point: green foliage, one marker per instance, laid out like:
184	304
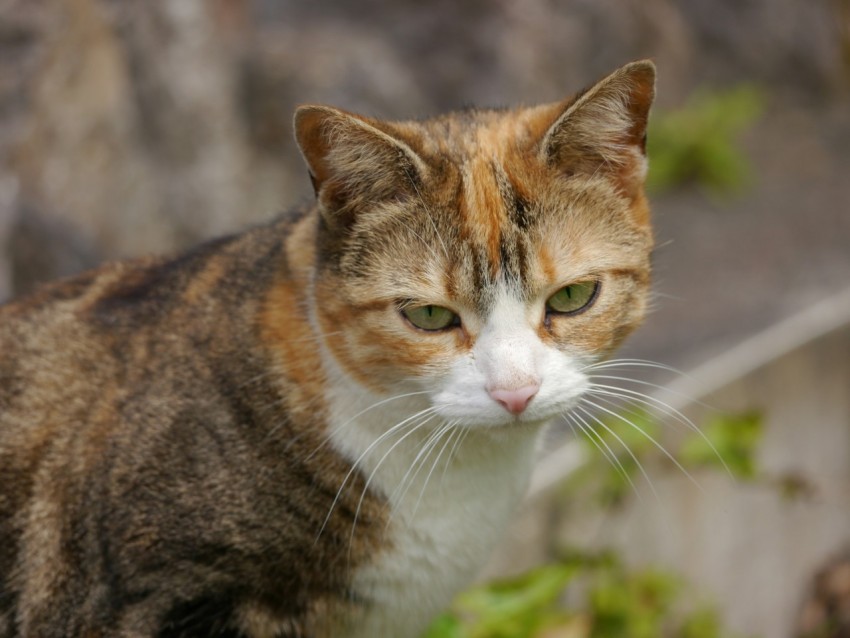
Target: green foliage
734	438
633	605
698	142
507	609
621	444
616	603
702	623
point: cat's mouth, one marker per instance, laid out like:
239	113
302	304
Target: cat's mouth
493	408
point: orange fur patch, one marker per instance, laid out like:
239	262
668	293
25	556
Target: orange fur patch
485	210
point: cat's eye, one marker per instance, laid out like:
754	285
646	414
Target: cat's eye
573	298
431	317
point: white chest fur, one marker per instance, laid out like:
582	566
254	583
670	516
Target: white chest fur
449	507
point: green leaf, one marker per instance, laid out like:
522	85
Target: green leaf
612	602
513	608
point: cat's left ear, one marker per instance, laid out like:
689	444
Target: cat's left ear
354	161
603	129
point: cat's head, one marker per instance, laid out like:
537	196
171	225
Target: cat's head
486	256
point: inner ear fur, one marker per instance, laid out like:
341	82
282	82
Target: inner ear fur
604	128
354	160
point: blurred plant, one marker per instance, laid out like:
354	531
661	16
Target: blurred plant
698	142
615	603
622	443
733	442
507	609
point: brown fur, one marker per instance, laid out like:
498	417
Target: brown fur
164	468
148	438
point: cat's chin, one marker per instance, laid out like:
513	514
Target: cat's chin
507	424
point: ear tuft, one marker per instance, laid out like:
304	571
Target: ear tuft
604	127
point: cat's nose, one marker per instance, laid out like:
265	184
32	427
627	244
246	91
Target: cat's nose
515	400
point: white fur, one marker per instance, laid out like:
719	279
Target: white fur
509	354
448	513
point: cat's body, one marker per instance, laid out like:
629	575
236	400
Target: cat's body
319	427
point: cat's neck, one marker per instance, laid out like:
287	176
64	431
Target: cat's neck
411	456
449	499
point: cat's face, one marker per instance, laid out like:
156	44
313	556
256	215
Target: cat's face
485	257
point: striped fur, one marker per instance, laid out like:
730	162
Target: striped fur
251	440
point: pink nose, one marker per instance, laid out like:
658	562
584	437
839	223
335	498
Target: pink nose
515	401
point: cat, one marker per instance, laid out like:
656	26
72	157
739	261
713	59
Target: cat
319	427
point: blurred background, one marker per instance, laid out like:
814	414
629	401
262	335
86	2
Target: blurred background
131	127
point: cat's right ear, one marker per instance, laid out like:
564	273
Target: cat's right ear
603	129
354	161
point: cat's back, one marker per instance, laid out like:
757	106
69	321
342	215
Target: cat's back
135	408
76	352
76	339
57	362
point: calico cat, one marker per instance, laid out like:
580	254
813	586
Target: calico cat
319	427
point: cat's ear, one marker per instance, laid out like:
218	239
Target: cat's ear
604	128
354	161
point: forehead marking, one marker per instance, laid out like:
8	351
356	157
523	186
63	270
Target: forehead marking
497	217
485	209
516	203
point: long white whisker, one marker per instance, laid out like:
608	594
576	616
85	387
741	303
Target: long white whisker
574	421
418	425
449	428
657	386
414	463
417	464
654	403
354	465
631	363
628	450
609	455
361	413
461	433
648	436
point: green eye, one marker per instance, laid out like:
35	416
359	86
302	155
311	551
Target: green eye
431	317
570	299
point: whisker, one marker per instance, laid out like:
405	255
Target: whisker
407	480
632	363
354	465
628	450
461	435
607	452
359	414
654	403
386	454
657	386
591	435
449	428
648	436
